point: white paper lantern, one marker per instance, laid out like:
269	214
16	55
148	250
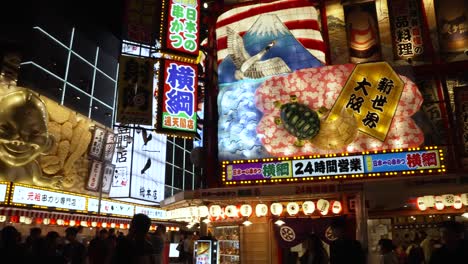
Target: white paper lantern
261	210
104	225
28	220
72	222
457	203
231	211
246	210
121	226
60	222
215	211
323	206
464	198
93	224
112	225
308	207
46	221
276	209
336	207
420	202
203	211
22	219
429	200
2	218
449	199
292	208
84	223
439	203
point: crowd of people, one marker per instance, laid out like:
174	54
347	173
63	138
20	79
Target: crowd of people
108	247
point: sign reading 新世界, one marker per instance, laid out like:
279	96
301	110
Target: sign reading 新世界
407	29
372	93
177	101
317	167
183	23
135	105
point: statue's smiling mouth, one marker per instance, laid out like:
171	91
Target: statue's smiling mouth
16	147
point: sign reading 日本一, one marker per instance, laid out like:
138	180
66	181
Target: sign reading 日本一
317	167
372	92
26	195
177	102
183	22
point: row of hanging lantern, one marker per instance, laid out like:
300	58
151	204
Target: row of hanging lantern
217	212
61	222
439	202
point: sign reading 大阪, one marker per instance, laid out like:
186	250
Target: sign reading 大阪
177	99
182	31
318	167
372	92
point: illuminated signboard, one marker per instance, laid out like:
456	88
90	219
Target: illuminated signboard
150	212
372	92
182	28
135	85
42	198
407	29
111	207
139	164
334	167
3	192
140	17
177	100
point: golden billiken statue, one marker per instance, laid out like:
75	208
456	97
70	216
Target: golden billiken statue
23	137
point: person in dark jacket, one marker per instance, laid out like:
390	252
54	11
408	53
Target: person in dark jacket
344	250
315	252
454	248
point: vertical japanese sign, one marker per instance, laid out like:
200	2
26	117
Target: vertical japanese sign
140	21
407	29
461	107
177	100
97	144
135	91
183	26
372	92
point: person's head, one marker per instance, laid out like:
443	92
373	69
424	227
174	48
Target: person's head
140	225
103	234
161	229
70	233
338	227
52	238
121	234
79	229
35	232
385	246
112	232
451	232
23	128
10	236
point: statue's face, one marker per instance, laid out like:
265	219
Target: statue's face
23	128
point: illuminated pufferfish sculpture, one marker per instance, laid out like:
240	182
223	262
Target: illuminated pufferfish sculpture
306	124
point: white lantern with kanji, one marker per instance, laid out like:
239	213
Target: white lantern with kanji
203	211
308	207
231	211
449	199
464	198
215	211
276	209
46	221
457	202
93	224
429	200
420	202
336	207
323	206
246	210
261	210
28	220
2	218
439	202
292	208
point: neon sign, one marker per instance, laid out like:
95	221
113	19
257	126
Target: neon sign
183	26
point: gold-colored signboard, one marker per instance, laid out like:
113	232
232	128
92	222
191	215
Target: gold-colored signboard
372	93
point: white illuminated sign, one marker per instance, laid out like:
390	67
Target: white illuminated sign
3	188
328	166
26	195
110	207
151	212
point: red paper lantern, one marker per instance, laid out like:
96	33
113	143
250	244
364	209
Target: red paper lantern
38	220
14	219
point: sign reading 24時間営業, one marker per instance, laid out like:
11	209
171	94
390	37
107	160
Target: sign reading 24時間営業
333	166
177	102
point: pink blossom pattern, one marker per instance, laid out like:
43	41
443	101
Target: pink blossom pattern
317	87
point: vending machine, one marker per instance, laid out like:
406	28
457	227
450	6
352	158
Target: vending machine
206	252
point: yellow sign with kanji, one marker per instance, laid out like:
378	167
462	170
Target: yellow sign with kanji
372	93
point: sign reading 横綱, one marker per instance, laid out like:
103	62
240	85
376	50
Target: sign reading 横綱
407	29
38	197
372	92
333	166
182	28
177	100
135	84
